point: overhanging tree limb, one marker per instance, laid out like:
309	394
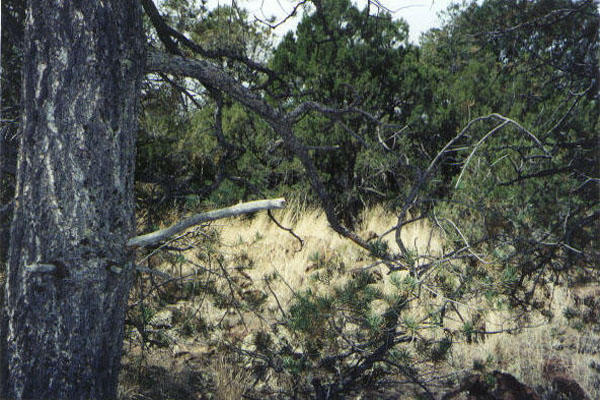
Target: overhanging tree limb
155	237
211	76
170	37
282	124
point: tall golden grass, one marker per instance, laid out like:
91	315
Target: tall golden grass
522	353
254	248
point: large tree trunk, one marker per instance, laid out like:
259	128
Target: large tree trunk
10	72
63	328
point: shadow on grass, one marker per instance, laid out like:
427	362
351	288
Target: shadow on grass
145	382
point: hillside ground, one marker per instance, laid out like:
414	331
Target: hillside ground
179	359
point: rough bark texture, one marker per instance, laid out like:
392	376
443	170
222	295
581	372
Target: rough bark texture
63	327
7	164
11	37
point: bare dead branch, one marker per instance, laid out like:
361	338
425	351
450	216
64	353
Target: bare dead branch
475	147
289	230
284	20
155	237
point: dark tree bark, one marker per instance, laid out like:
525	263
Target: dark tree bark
10	74
62	331
7	168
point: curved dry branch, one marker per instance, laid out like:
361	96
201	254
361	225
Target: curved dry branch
288	230
291	14
155	237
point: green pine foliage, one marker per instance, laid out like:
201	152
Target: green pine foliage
343	57
511	85
524	191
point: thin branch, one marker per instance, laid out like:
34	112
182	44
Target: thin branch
300	111
477	145
283	21
163	246
6	207
259	192
522	128
539	174
155	237
182	90
158	286
354	134
289	230
151	271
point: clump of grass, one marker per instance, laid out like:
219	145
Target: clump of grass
231	379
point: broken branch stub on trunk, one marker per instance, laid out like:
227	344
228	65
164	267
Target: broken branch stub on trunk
155	237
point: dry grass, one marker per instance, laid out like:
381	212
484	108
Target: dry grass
231	379
273	250
255	248
527	353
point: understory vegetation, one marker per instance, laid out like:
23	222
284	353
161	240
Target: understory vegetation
247	312
442	216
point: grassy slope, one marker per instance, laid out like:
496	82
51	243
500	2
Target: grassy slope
260	249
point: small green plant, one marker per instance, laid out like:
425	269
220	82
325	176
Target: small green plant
441	350
145	314
379	248
570	313
190	323
468	331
